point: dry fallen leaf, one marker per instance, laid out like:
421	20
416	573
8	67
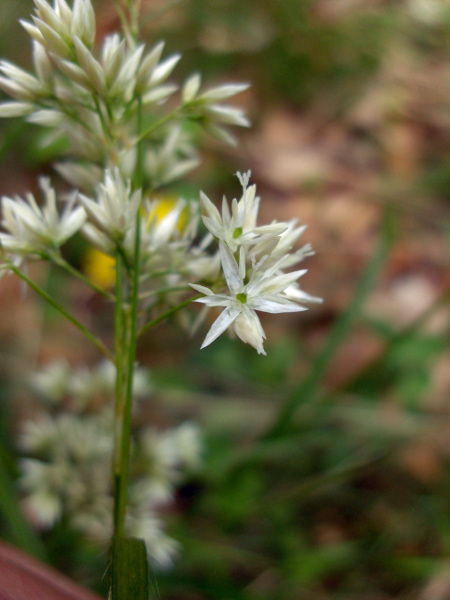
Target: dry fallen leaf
24	578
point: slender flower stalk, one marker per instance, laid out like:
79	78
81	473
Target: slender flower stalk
34	286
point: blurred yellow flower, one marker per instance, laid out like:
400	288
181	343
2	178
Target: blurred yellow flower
162	207
99	267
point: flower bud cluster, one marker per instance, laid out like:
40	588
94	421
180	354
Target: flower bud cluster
105	103
67	471
171	253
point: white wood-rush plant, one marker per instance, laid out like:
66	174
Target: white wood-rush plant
127	132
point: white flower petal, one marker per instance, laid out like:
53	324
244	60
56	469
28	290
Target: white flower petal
224	91
275	307
222	323
230	269
202	289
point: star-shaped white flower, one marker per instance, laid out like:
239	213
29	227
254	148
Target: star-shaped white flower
238	226
264	291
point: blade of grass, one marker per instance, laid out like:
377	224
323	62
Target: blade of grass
129	577
308	388
21	533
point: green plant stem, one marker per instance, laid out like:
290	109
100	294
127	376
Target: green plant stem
37	288
160	11
134	7
105	126
124	21
167	314
125	327
139	173
130	327
312	485
21	533
119	345
157	124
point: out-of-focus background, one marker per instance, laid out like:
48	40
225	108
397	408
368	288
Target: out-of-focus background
327	463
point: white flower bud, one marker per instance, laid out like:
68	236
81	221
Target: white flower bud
83	22
190	88
113	53
223	91
33	32
15	90
52	19
51	39
230	115
147	67
90	66
63	10
47	117
43	65
84	177
158	94
15	109
127	72
74	73
164	69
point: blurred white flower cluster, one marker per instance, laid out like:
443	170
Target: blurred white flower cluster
253	259
32	231
104	103
67	473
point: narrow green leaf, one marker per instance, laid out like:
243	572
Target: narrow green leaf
129	569
21	533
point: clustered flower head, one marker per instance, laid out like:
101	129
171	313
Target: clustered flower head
31	230
67	469
253	261
97	101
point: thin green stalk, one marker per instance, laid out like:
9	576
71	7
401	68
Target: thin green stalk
156	13
37	288
129	325
105	127
119	345
139	173
62	262
124	21
126	341
307	389
157	124
167	314
21	533
134	8
314	484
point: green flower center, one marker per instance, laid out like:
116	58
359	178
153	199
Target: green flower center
237	232
241	297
